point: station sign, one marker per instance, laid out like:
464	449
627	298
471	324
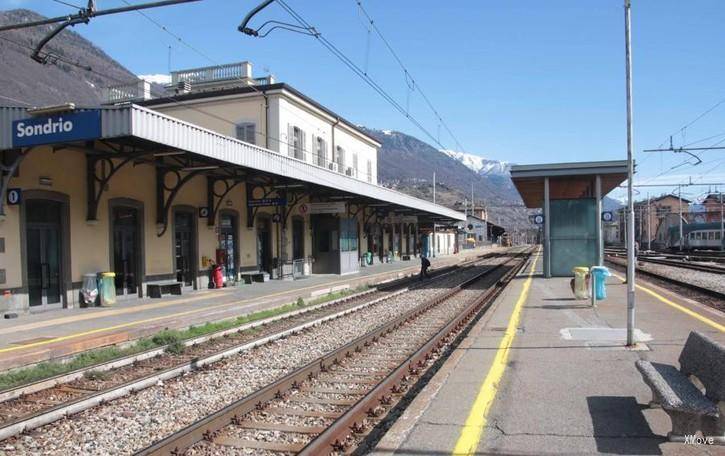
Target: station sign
261	202
538	219
14	196
326	208
64	127
607	216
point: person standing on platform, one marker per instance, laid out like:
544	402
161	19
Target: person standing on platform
424	265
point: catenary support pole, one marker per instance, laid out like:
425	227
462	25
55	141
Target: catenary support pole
547	230
679	197
722	225
649	225
600	240
630	177
433	243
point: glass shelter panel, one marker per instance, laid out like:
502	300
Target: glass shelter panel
573	235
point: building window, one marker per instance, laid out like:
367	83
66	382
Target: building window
340	159
321	151
370	170
296	142
354	165
246	132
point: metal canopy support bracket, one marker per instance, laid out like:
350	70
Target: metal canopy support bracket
98	177
165	194
214	199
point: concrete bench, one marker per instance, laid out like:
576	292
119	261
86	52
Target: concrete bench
679	394
155	290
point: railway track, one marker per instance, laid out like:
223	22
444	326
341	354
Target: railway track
218	356
719	297
331	404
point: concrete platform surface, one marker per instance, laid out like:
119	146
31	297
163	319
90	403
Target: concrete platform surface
49	335
557	381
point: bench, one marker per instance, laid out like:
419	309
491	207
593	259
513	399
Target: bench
689	408
254	276
155	290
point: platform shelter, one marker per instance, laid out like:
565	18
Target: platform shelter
570	195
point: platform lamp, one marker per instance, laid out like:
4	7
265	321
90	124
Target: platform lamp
630	175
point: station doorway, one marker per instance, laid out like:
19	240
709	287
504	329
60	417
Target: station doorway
126	238
184	247
44	233
298	238
228	245
264	244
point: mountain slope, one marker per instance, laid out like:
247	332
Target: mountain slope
23	81
479	164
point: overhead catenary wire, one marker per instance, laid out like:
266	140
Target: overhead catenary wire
408	75
358	71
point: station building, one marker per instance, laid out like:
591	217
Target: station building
221	168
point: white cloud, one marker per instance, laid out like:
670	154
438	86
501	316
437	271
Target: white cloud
157	78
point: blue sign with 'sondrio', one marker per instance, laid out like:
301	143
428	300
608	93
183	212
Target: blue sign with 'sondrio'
68	126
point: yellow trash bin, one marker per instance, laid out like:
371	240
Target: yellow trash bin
580	282
107	288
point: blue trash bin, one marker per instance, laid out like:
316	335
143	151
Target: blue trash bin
600	274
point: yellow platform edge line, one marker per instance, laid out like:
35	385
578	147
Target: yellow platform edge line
472	430
679	307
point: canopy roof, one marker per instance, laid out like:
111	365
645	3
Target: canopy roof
566	180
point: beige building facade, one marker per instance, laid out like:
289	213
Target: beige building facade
163	193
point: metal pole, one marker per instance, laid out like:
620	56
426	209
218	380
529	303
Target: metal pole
722	225
679	196
433	243
600	237
547	230
630	176
649	227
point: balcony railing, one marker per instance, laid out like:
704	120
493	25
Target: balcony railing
241	70
133	91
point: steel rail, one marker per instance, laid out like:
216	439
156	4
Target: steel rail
207	427
684	264
687	285
334	438
54	413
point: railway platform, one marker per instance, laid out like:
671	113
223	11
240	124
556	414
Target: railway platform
542	373
50	335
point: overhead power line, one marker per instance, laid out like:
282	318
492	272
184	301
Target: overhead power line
408	74
308	29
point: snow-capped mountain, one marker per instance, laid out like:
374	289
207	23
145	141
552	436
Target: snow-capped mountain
479	164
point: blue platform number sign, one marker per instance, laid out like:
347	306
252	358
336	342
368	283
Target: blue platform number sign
67	126
14	196
607	216
538	219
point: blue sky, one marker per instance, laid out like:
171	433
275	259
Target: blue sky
525	81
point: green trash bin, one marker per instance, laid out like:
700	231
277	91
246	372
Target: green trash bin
107	288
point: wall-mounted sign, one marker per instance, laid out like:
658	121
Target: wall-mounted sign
538	219
204	212
68	126
14	196
607	216
327	208
260	202
276	218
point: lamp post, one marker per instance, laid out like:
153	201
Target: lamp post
630	175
